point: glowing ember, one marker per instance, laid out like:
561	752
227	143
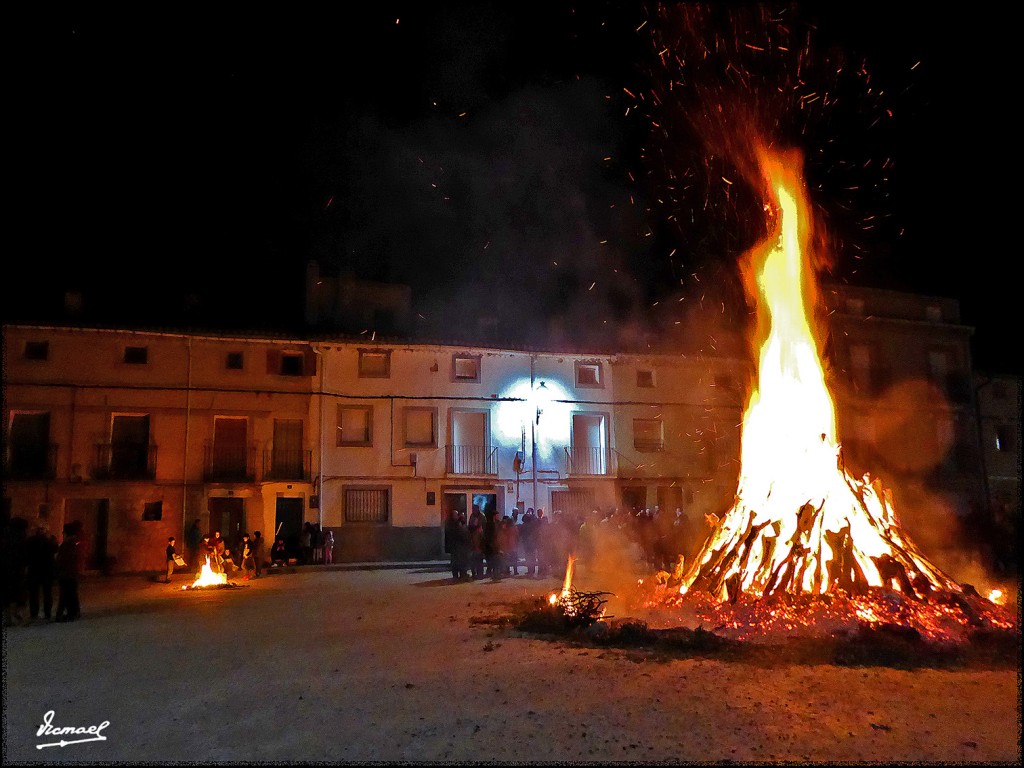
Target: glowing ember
997	596
800	523
207	578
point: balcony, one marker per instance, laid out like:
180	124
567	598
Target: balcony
586	461
234	464
284	465
124	461
471	459
31	462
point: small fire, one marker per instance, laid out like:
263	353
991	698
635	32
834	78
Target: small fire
207	577
997	596
563	596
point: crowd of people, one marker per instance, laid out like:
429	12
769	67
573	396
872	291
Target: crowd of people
249	554
488	545
484	545
33	563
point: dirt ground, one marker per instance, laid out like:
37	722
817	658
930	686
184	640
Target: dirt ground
394	665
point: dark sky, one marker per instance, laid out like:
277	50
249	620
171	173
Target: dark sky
501	158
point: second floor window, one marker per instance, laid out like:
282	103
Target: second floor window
420	427
37	350
589	375
648	434
374	364
136	355
466	367
355	425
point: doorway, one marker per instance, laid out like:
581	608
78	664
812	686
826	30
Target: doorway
288	522
227	515
94	517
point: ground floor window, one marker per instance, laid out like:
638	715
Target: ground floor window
367	505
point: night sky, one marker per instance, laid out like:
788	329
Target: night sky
529	162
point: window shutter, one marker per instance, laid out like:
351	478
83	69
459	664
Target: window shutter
309	361
273	361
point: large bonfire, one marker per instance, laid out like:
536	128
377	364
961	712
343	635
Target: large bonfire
806	539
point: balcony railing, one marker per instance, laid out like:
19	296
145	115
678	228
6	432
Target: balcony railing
586	461
280	464
471	459
229	464
124	461
31	462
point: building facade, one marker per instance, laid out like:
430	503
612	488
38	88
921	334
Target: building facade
139	433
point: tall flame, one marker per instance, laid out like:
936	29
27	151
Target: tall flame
800	522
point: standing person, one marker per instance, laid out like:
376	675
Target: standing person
306	544
170	559
317	540
193	538
492	546
248	565
204	554
508	538
476	548
528	539
15	570
42	565
218	545
329	547
69	571
257	552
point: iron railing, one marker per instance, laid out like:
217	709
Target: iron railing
291	464
124	461
229	464
29	461
586	461
471	459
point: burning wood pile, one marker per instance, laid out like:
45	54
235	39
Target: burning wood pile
211	579
805	539
577	608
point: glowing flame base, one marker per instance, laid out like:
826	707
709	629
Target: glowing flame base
208	578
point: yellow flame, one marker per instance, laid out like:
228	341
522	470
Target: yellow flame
208	578
795	501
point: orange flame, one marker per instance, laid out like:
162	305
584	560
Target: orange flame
207	577
800	522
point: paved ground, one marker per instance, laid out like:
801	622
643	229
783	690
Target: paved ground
388	665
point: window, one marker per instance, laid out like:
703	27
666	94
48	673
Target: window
589	375
129	455
29	454
37	350
645	378
136	355
374	364
420	427
291	363
367	505
355	425
153	510
466	367
1006	438
648	434
235	361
